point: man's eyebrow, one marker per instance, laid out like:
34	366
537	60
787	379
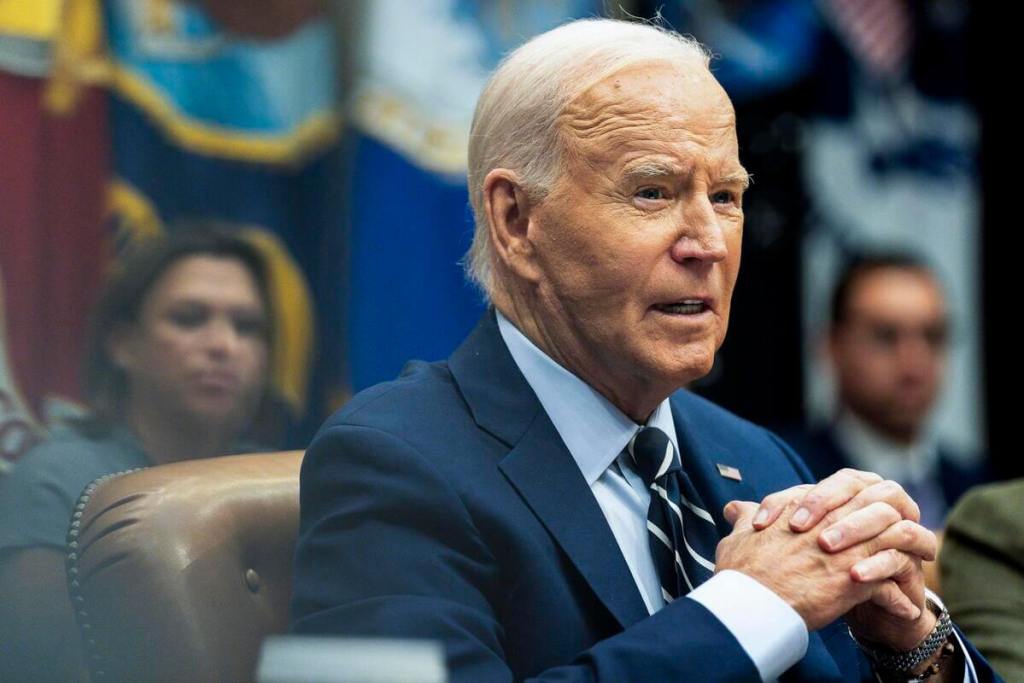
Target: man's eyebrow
738	177
650	169
658	169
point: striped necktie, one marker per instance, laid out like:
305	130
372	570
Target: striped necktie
681	533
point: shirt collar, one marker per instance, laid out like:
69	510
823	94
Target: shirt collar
594	430
870	451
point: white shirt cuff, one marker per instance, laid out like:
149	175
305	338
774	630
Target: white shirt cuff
771	632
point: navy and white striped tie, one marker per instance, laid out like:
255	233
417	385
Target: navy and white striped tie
681	532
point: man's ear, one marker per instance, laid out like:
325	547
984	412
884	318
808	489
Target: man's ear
120	346
508	211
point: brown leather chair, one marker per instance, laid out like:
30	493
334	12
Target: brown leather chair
178	572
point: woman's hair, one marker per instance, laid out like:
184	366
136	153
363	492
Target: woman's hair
123	296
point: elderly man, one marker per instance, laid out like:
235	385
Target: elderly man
887	343
547	503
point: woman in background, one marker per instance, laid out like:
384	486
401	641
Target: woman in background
176	368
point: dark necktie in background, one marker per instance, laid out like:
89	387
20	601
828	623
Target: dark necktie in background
681	532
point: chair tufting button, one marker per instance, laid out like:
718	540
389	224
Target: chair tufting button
252	580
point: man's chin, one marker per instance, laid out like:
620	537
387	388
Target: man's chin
680	375
694	365
902	427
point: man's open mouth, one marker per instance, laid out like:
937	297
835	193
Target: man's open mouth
684	307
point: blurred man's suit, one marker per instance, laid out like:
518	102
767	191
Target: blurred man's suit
495	543
822	451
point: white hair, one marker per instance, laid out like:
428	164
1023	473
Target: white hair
515	122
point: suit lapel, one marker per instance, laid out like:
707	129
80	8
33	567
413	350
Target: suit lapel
499	397
541	469
544	473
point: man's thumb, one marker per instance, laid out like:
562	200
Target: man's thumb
739	511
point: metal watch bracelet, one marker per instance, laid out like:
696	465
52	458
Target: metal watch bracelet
895	662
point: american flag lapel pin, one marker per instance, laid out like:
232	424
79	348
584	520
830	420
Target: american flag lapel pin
729	472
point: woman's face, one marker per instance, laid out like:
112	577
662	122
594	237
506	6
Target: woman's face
198	352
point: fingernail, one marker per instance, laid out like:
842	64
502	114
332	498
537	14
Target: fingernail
915	612
863	570
801	516
832	537
761	517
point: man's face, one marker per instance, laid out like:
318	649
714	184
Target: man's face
199	348
890	352
638	243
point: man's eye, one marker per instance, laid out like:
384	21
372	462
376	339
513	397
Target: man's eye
723	197
650	193
885	336
936	337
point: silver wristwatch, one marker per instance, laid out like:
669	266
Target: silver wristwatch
904	663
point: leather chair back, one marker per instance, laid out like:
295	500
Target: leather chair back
178	572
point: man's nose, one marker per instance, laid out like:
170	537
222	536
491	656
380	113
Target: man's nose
701	236
914	351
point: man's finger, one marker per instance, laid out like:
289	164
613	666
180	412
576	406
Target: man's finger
773	505
830	494
739	512
885	564
886	491
889	597
909	537
859	526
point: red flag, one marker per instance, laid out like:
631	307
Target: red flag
53	244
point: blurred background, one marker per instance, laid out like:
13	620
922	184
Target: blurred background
332	134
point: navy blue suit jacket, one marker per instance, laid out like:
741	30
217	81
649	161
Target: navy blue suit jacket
444	505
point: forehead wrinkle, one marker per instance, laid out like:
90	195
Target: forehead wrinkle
602	139
608	132
633	120
610	123
619	146
587	121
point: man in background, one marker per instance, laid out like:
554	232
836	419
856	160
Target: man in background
887	343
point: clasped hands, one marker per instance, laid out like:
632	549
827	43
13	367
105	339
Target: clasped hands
849	546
